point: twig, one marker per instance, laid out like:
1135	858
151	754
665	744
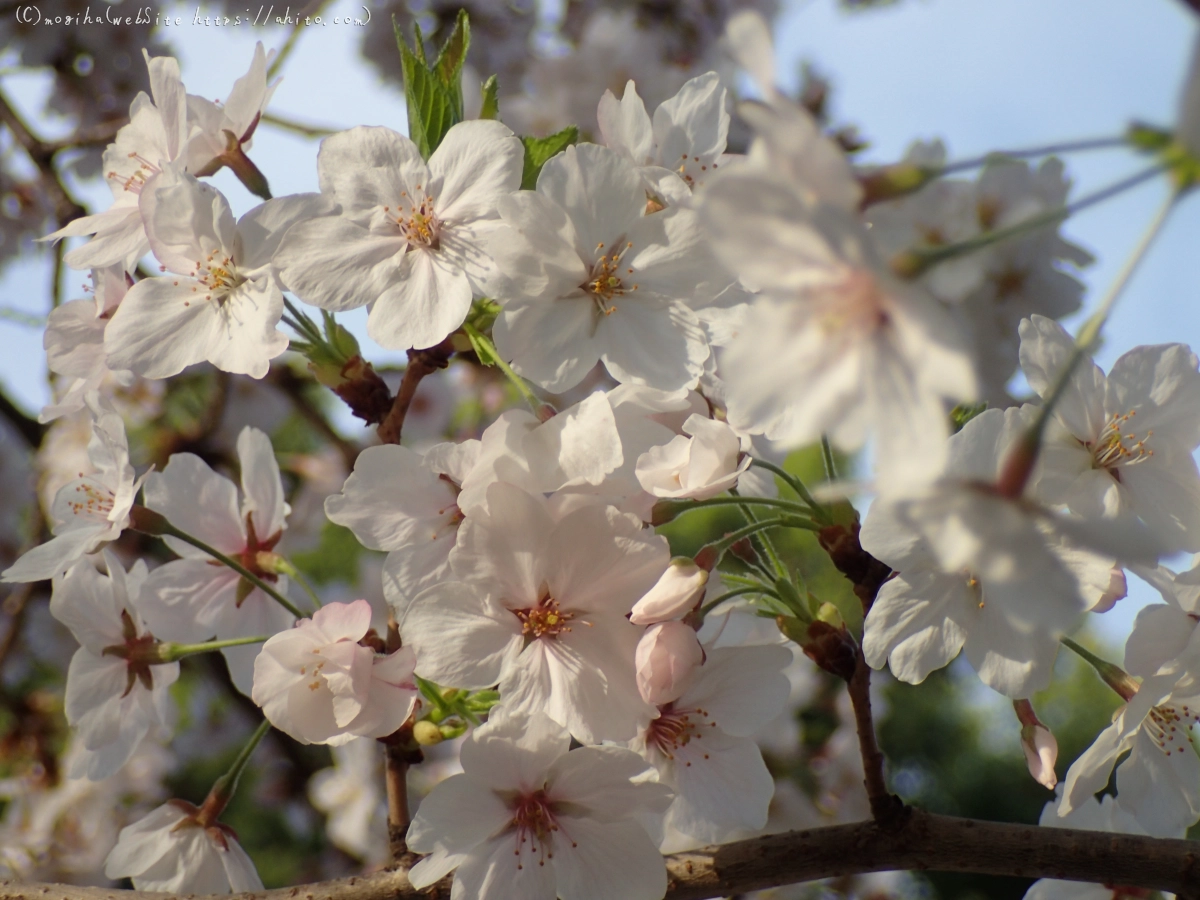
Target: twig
42	155
15	605
420	364
924	842
29	428
301	128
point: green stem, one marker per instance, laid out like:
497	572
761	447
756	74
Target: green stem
481	341
302	323
736	592
719	546
308	588
775	502
762	542
172	652
224	787
819	512
236	566
1105	143
1085	343
915	262
831	473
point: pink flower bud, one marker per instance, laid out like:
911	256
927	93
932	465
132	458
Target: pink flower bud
673	595
668	657
1041	749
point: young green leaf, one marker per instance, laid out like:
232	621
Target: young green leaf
538	152
490	109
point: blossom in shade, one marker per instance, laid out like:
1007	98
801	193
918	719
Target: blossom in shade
195	600
410	237
168	850
90	510
540	608
1165	632
703	747
528	820
116	691
320	684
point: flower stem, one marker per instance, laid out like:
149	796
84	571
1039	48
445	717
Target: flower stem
172	651
224	787
827	458
819	512
666	510
736	592
762	542
1104	143
714	550
486	350
913	263
216	554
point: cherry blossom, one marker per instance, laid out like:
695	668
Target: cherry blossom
707	462
1129	436
223	301
155	136
668	658
350	793
195	600
540	608
876	356
410	236
116	689
1159	782
673	595
408	505
90	510
319	684
593	277
687	135
977	573
528	820
1165	632
168	850
702	745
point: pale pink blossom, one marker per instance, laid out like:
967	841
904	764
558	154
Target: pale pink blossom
317	683
528	820
704	461
673	595
668	659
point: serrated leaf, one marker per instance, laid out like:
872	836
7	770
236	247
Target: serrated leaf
451	58
490	109
539	151
433	93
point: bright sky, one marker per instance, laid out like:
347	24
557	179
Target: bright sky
981	75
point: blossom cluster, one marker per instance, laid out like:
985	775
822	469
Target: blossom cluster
696	314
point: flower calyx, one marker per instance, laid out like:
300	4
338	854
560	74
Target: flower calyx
140	652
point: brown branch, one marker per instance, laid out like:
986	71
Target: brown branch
41	154
924	842
420	364
396	762
284	378
886	808
30	429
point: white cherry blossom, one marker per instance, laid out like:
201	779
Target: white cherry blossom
115	694
350	793
687	135
168	851
528	820
673	595
1129	437
407	504
74	342
706	462
875	355
222	303
1159	782
155	136
195	600
319	684
90	510
1165	632
593	277
668	659
410	237
702	745
540	608
977	573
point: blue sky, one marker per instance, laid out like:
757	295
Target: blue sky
979	74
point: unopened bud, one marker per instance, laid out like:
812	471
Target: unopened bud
665	511
668	658
426	733
831	648
673	595
1038	744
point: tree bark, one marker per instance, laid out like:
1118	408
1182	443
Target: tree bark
923	842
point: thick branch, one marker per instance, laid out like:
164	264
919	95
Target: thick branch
420	364
924	842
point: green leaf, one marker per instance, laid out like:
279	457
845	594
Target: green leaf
964	413
491	102
538	152
433	93
334	559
